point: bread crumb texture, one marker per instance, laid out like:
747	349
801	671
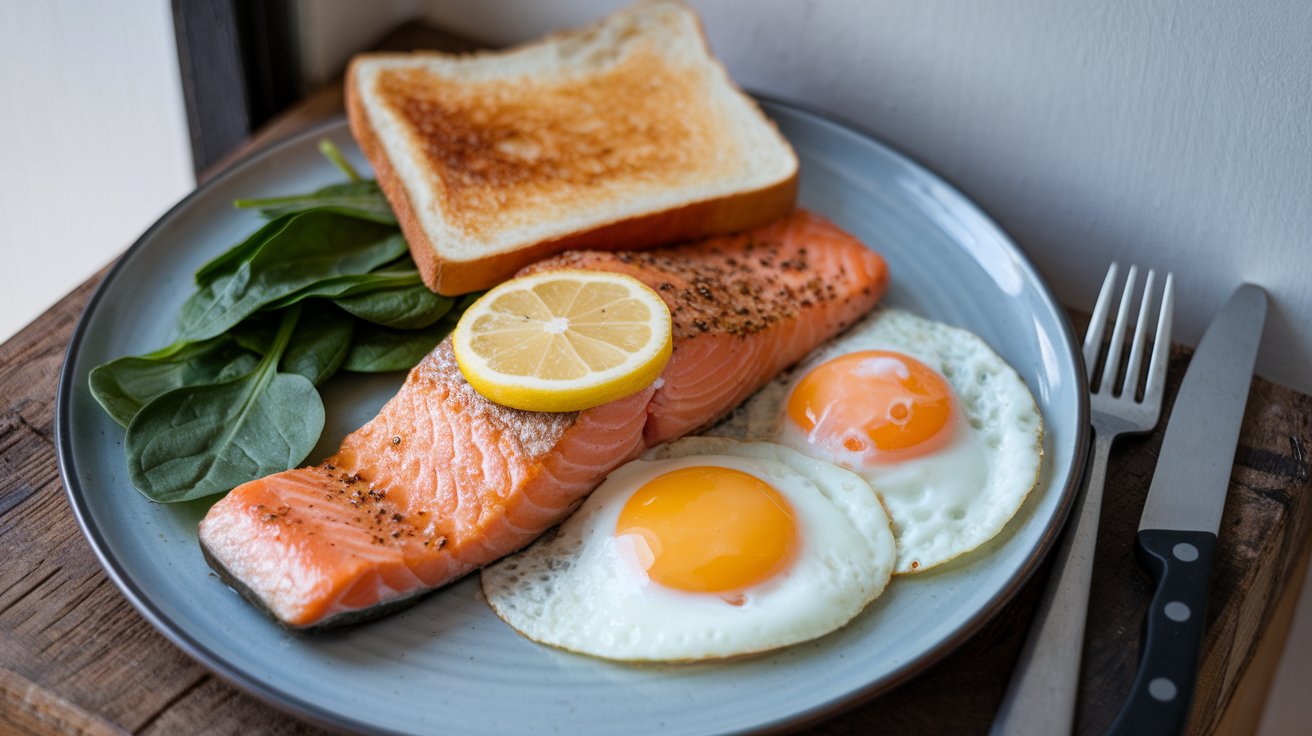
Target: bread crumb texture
509	151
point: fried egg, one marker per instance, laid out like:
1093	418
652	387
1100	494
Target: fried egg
706	548
944	430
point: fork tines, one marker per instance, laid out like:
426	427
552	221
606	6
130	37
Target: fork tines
1103	375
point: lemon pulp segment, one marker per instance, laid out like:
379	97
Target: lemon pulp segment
564	340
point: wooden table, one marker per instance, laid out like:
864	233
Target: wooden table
76	658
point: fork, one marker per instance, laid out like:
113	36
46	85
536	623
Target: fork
1040	698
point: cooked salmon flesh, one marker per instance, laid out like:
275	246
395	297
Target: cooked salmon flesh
444	481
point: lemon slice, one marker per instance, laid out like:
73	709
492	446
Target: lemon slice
564	340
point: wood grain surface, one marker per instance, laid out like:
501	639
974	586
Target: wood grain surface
76	658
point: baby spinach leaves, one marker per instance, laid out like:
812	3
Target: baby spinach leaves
379	350
314	246
318	349
400	307
382	349
358	197
196	441
362	199
125	385
327	284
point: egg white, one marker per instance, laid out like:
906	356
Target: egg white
579	589
950	502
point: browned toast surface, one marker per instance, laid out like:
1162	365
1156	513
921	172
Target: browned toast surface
510	152
623	135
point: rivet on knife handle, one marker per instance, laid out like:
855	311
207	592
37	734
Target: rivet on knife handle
1181	566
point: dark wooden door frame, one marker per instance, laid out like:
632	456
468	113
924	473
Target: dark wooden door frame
240	66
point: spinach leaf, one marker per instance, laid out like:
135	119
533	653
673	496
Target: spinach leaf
256	333
317	347
361	199
314	246
358	197
197	441
380	349
352	284
402	308
320	344
125	385
229	259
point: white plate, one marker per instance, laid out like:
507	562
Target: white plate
448	664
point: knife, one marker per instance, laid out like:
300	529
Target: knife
1182	515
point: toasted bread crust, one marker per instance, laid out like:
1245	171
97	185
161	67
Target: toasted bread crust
717	215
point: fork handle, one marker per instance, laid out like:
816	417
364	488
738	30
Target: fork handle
1180	563
1040	698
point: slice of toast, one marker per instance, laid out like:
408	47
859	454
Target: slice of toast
624	134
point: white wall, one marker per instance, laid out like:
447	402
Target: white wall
1171	133
329	31
95	141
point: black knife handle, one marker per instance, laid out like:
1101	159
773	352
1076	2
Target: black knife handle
1180	563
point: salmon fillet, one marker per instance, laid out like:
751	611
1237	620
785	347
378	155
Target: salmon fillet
444	481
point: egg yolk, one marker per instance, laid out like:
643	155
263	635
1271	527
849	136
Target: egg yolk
874	402
710	529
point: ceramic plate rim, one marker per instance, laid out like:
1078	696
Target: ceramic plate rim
270	694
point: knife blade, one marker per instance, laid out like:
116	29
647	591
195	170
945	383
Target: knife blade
1182	514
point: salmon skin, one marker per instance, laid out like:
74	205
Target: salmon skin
444	481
